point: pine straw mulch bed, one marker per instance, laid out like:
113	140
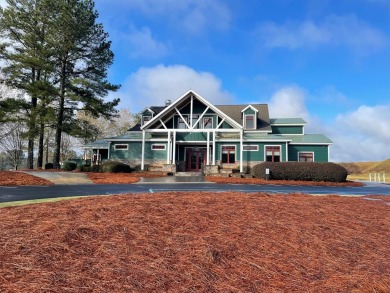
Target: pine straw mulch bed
197	242
14	178
234	180
122	178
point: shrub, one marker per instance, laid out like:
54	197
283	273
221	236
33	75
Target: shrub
115	167
95	168
330	172
49	166
69	166
85	168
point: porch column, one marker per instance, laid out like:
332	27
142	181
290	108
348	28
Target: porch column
208	148
241	152
143	151
109	151
169	148
214	147
97	157
174	148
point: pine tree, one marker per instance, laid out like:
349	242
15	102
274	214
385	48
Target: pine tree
82	56
23	25
59	56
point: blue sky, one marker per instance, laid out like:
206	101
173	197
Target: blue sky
326	61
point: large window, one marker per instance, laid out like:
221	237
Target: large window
306	157
272	153
207	122
228	154
181	123
249	122
195	118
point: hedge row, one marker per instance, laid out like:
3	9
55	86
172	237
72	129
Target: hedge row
304	171
69	166
115	167
107	167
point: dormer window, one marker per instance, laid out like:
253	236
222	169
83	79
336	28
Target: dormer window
250	117
249	121
146	119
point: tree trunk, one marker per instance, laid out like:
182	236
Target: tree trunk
31	128
41	145
60	117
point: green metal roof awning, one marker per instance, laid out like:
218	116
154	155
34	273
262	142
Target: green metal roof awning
309	139
287	121
99	144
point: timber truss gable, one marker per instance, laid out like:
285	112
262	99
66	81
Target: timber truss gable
188	113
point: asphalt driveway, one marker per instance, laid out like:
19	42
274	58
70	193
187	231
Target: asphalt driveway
8	194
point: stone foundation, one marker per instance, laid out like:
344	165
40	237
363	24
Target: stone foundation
209	169
170	168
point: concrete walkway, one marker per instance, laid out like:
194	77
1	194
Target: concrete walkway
63	178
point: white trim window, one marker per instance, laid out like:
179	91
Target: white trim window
305	156
250	121
272	153
207	122
121	147
181	124
195	118
250	148
158	147
145	119
228	154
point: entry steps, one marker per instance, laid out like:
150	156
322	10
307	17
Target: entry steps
189	174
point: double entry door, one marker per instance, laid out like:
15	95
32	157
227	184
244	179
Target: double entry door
195	158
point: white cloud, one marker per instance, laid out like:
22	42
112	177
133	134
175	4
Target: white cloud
3	3
363	135
347	31
140	43
152	86
288	102
360	135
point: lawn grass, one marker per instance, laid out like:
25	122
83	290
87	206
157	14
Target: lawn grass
35	201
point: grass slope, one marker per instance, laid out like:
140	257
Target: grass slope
361	170
197	242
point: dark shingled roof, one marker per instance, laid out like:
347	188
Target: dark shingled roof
157	109
136	127
234	112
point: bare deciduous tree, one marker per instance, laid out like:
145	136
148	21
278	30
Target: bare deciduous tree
14	143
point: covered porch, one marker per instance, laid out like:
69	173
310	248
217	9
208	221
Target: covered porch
190	151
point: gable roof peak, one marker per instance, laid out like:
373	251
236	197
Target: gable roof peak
188	94
249	107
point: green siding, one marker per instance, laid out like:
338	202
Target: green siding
250	155
195	136
287	129
134	151
226	125
320	152
249	111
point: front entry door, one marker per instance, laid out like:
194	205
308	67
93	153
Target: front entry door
195	158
